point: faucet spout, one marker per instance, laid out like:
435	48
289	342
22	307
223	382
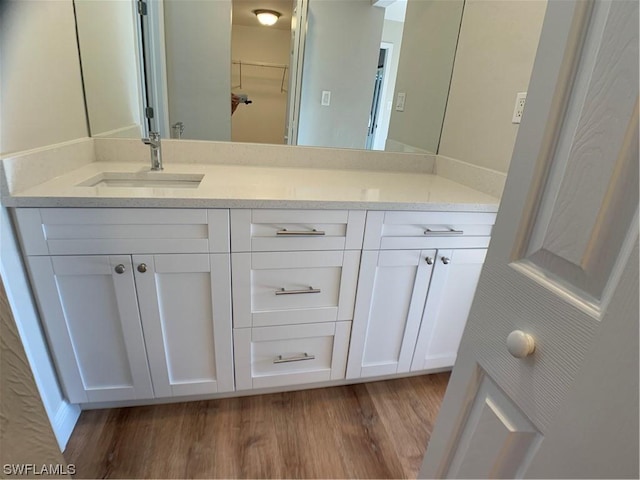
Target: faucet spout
156	150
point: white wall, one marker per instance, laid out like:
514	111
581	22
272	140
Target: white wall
42	104
108	45
497	47
263	121
341	55
428	50
198	50
41	90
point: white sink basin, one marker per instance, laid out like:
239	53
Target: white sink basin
144	180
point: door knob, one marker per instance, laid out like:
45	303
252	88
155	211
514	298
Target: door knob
446	260
119	269
520	344
142	267
429	260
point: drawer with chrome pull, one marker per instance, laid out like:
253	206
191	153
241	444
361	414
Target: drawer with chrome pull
286	288
265	230
290	355
425	230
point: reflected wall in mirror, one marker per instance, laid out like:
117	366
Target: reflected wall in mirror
493	50
108	45
353	58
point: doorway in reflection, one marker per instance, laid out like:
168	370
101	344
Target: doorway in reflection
260	66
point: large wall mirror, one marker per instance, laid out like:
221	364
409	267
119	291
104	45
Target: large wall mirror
331	73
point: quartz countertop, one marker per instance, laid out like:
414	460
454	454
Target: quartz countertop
241	186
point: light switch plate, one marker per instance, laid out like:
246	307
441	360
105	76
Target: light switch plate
400	102
326	98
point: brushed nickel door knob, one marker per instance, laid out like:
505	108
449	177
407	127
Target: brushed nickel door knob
119	269
142	267
446	260
429	260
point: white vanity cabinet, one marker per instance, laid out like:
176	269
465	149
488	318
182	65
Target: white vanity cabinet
137	303
415	290
294	280
453	285
126	317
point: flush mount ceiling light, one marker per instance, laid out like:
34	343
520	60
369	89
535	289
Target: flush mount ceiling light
267	17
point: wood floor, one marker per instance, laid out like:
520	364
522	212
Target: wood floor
372	430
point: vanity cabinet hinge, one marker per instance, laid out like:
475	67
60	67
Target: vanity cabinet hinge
148	112
142	8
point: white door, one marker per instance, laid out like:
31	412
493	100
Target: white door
562	267
392	290
185	304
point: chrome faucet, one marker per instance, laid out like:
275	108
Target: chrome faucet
156	150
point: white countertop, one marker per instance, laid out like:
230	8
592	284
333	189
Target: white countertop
234	186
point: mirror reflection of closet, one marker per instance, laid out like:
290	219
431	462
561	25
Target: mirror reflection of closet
260	58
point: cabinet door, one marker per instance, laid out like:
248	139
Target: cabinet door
92	321
392	289
453	285
185	302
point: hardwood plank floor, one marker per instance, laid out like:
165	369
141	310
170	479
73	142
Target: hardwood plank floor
370	430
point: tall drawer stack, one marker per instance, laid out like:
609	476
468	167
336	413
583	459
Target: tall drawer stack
294	278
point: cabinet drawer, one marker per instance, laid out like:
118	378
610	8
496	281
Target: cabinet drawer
422	230
290	355
264	230
88	231
283	288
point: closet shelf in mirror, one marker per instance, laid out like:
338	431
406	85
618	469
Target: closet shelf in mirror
242	63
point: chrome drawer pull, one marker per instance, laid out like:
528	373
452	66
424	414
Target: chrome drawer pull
435	233
297	358
282	291
284	231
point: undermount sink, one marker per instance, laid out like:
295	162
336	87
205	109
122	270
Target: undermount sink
144	180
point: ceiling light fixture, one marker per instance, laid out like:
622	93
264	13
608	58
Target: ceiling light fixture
267	17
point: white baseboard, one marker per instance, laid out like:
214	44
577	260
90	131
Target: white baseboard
64	422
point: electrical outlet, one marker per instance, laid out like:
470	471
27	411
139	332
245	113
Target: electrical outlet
400	102
519	108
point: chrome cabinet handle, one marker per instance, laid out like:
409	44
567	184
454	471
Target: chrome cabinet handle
429	260
119	269
284	231
296	358
446	260
142	267
282	291
435	233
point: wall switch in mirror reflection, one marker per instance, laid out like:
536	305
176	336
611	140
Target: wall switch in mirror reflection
326	98
400	102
